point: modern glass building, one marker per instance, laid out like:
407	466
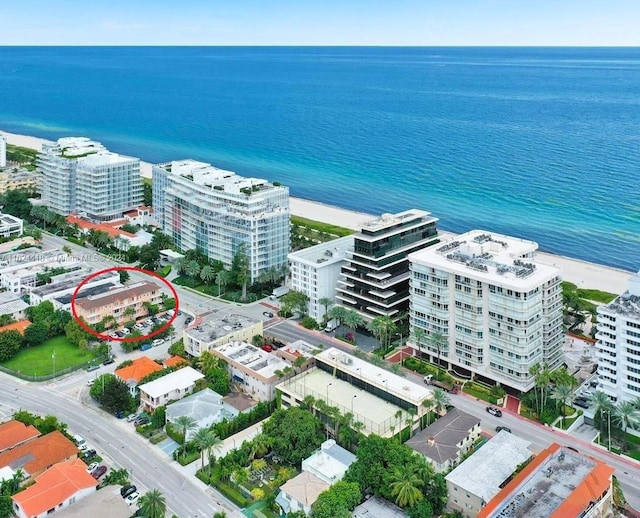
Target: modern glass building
498	312
82	176
375	280
217	212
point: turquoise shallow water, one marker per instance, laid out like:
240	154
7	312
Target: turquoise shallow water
538	143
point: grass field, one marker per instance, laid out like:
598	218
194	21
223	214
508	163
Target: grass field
38	361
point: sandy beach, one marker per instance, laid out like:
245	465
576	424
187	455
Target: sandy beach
582	273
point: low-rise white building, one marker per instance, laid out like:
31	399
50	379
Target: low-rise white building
480	477
315	271
11	304
256	371
211	331
205	407
19	270
172	387
62	287
10	226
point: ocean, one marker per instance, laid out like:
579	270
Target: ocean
540	143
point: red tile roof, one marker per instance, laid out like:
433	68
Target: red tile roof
54	487
110	227
13	433
39	453
174	361
140	368
18	326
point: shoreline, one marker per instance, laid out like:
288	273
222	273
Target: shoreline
580	272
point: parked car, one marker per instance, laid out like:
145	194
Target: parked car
91	382
119	414
157	342
145	347
92	368
89	454
125	332
98	472
108	361
92	467
268	314
131	418
141	421
171	312
132	497
268	348
581	403
188	320
503	429
494	411
125	491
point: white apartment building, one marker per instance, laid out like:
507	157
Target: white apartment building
62	287
19	270
499	312
618	345
172	387
315	271
255	370
211	331
10	226
3	151
80	175
217	212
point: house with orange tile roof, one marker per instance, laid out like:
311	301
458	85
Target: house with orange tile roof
16	326
175	361
39	454
123	240
132	374
13	433
558	483
57	488
116	301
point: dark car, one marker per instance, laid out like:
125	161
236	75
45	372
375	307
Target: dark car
89	454
98	472
503	429
93	368
494	411
108	361
188	320
119	414
125	491
581	403
268	314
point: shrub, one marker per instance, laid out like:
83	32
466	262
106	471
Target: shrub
310	323
164	271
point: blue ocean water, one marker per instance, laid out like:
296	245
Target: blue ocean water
542	143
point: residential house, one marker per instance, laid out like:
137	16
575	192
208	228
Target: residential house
558	483
14	433
479	478
299	493
39	454
104	503
134	373
444	442
172	387
376	507
206	407
55	489
12	304
174	361
122	240
209	332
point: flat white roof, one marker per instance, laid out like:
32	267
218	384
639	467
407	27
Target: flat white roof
488	257
180	379
484	471
402	387
324	254
388	220
252	358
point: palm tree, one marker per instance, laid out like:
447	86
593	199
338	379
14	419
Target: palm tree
327	302
437	342
220	514
222	279
207	274
153	504
405	486
440	400
192	270
626	414
206	440
602	405
353	320
185	423
382	328
418	334
562	394
398	416
338	313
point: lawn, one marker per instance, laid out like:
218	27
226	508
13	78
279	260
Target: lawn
38	361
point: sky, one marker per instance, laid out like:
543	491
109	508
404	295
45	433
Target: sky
321	22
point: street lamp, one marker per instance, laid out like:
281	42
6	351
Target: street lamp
53	358
386	385
328	392
354	396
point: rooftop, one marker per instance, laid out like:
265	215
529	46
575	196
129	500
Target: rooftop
558	483
627	304
488	257
105	503
140	368
116	295
213	326
33	255
13	306
55	486
439	441
251	358
174	361
484	472
376	507
14	432
38	453
330	462
86	292
202	406
324	253
110	228
180	379
395	220
392	383
305	488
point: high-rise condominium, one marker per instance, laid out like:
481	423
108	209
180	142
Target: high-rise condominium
219	213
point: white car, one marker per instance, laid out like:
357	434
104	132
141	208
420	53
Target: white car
157	342
132	498
139	327
91	468
125	331
91	382
131	418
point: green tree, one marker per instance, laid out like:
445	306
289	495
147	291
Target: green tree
353	320
338	314
35	334
184	423
119	477
10	342
241	269
383	328
602	405
418	335
223	278
207	274
295	302
75	334
626	415
113	394
437	343
192	270
562	394
147	194
153	504
124	276
206	441
295	434
405	486
159	417
440	400
339	500
422	509
149	257
326	302
220	514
